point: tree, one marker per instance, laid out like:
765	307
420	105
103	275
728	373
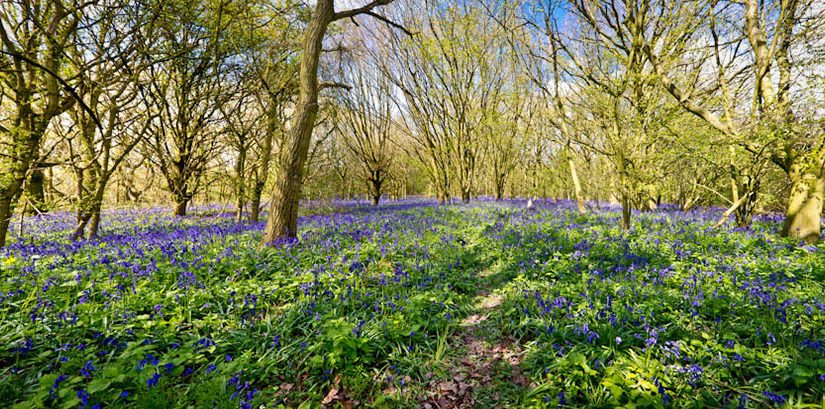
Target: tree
619	95
452	87
365	122
109	84
188	84
273	67
771	124
35	38
283	218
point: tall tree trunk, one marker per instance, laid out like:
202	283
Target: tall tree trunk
375	189
574	175
501	180
94	223
35	192
82	221
804	211
240	169
443	196
240	202
97	205
624	191
6	213
255	203
283	216
180	205
466	193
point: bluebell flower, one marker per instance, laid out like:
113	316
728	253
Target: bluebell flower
87	369
773	397
84	397
153	381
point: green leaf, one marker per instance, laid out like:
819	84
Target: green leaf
98	385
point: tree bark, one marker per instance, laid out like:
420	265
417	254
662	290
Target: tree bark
375	190
283	216
94	223
442	196
180	206
804	212
624	194
240	169
6	210
465	195
501	180
255	204
574	175
35	192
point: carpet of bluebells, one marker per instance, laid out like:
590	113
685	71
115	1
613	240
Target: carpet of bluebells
171	312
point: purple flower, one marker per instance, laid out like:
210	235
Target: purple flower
87	369
773	397
84	397
56	384
153	381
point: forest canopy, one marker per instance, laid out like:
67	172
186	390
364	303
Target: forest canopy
641	103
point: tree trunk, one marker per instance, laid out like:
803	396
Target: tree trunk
255	204
465	195
180	206
82	221
94	223
35	192
241	204
97	205
6	210
499	186
574	175
442	196
283	216
624	192
802	217
375	191
240	169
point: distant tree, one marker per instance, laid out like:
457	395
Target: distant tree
110	85
451	84
775	124
188	85
364	119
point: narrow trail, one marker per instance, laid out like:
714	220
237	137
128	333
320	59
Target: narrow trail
482	366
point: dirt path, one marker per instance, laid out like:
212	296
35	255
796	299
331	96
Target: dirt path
481	369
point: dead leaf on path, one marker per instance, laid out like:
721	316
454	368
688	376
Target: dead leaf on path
446	386
333	391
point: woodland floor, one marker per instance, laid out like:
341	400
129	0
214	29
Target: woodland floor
412	305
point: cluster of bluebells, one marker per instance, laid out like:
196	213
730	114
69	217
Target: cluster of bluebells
166	302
